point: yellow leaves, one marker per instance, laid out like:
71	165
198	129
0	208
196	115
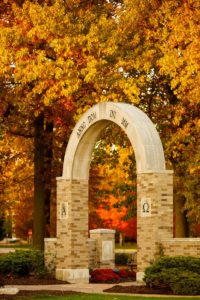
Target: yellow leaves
58	54
121	166
178	116
135	40
91	70
180	48
62	46
58	73
46	101
22	53
80	111
85	51
130	89
50	16
101	37
194	170
176	120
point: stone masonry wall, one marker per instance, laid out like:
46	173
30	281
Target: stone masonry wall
71	254
154	214
180	246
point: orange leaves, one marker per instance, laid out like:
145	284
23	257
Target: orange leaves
113	217
68	103
17	172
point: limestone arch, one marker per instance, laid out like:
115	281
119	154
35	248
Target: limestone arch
136	124
154	189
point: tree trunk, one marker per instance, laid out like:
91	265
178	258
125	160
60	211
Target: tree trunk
120	239
49	188
39	184
181	227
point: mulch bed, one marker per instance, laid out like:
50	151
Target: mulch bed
35	281
32	281
138	290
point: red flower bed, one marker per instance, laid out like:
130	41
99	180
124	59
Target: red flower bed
109	275
123	274
104	275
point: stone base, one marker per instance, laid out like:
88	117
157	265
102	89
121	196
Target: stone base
8	291
73	275
140	277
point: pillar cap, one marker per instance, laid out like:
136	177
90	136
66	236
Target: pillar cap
102	230
156	172
50	239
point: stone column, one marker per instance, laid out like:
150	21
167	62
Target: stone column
50	254
92	251
105	245
72	230
154	215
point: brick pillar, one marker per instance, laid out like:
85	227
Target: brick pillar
105	247
72	230
154	215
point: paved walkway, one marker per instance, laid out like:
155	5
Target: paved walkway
78	287
86	288
6	250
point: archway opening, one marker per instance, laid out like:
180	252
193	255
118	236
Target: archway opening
113	188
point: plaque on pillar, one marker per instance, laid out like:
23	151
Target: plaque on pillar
107	250
63	210
145	207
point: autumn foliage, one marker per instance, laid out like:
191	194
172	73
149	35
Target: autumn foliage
114	218
112	190
59	58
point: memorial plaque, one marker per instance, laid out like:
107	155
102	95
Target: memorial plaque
107	250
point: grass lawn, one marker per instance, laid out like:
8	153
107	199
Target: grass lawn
15	246
100	297
126	246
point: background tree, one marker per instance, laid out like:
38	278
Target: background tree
53	73
131	51
165	53
179	61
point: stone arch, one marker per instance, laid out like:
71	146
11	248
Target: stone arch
154	189
138	127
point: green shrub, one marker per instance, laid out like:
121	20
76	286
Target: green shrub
22	263
181	274
122	259
187	286
37	263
